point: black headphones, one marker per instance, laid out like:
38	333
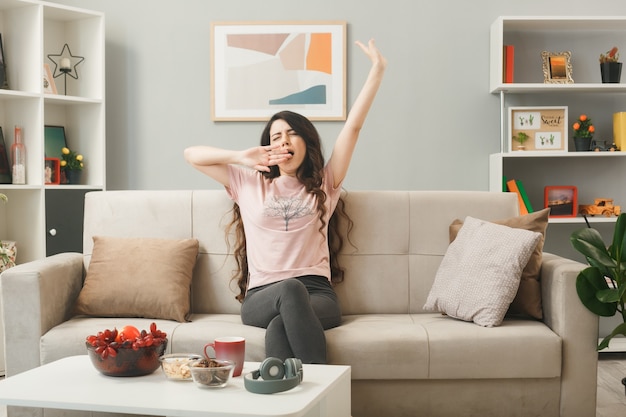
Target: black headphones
276	376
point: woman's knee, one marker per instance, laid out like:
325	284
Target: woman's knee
292	288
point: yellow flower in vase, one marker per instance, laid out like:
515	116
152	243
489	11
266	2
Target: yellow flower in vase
71	165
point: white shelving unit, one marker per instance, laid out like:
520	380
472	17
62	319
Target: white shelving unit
595	174
31	30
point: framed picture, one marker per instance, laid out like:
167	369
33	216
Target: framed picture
3	67
562	200
49	85
5	168
260	68
557	67
52	171
54	138
537	129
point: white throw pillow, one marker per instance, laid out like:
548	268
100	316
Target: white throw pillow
480	272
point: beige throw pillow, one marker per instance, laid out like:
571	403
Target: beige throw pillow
139	277
527	301
480	272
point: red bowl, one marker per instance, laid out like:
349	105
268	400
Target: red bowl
128	362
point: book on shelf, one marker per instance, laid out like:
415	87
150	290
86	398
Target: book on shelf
516	186
524	195
508	64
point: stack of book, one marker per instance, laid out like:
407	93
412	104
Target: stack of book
516	186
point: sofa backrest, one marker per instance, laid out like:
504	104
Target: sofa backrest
398	239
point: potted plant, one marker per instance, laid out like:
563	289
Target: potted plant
8	249
521	138
71	165
601	287
583	133
610	68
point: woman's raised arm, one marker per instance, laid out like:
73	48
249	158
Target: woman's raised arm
347	139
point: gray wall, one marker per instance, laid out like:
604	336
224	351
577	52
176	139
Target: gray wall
432	126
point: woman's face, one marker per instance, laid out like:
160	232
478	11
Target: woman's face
281	133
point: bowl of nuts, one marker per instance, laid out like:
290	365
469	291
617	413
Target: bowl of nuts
211	373
128	352
175	366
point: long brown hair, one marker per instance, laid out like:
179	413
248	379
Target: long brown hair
310	173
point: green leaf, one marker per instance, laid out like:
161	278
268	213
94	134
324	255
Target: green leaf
620	329
589	282
589	242
610	295
619	235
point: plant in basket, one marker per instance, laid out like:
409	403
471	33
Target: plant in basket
71	161
127	352
610	67
583	133
610	56
71	165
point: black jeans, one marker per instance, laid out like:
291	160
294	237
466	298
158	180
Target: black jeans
295	313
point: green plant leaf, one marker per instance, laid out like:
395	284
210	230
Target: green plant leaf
621	329
619	234
589	282
589	242
610	295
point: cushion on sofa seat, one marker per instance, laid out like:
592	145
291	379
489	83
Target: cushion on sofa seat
527	301
518	348
379	346
433	346
480	272
139	277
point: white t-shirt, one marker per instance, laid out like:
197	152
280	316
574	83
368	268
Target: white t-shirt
281	223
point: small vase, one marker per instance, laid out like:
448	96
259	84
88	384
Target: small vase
73	176
611	72
582	144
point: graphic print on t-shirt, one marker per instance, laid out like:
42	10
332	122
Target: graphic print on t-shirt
287	208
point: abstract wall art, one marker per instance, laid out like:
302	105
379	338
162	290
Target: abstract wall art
260	68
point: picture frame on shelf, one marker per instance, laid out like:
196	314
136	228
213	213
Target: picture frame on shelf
55	141
259	68
557	67
5	168
542	129
4	82
562	200
52	171
49	86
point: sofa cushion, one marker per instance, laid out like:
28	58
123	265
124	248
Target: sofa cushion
518	348
380	346
527	301
139	277
480	272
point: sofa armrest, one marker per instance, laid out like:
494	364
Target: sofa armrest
565	314
36	296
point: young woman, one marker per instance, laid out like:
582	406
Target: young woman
283	207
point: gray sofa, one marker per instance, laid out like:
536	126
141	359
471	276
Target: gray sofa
405	361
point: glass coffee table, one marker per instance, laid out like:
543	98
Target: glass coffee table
73	383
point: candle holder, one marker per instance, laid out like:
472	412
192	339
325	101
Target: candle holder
63	64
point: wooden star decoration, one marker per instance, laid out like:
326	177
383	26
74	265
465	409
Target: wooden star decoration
74	61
